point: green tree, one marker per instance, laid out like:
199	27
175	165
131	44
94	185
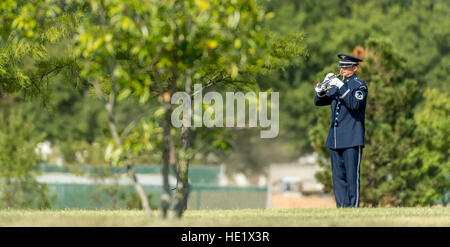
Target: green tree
106	63
151	51
29	28
18	159
433	136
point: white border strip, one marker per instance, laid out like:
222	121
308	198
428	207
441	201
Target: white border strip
346	62
357	177
346	92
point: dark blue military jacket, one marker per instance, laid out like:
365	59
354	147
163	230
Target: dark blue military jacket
348	106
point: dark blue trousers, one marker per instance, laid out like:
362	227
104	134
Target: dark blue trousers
345	164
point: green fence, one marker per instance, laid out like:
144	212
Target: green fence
198	174
205	190
91	196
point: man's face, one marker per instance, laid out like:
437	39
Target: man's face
348	71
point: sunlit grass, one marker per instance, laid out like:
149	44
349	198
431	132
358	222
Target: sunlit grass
241	217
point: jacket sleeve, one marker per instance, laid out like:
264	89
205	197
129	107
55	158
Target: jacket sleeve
322	99
353	98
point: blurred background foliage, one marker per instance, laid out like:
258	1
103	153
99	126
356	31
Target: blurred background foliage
405	45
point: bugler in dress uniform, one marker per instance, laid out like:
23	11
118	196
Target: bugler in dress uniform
346	135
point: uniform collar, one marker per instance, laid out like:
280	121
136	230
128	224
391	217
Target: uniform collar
351	77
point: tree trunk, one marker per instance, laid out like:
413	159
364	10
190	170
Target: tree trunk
166	195
166	147
182	171
109	105
183	187
144	199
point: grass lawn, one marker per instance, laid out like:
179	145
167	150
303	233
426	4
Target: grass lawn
240	217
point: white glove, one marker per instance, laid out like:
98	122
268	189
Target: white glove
328	76
335	82
321	90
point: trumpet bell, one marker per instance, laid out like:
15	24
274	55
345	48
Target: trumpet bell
325	84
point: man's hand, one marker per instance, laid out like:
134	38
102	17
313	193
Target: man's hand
335	82
328	76
320	89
